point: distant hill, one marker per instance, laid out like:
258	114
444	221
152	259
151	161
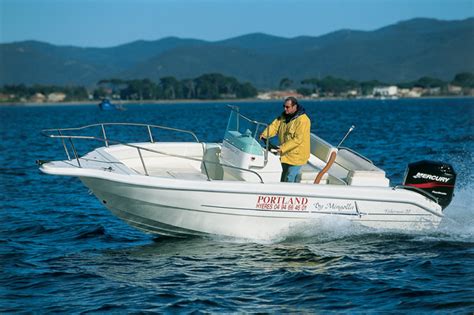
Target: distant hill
401	52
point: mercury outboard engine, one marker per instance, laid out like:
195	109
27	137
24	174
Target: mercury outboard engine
436	178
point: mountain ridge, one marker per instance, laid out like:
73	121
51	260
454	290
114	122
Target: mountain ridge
400	52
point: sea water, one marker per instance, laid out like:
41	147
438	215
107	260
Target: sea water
62	251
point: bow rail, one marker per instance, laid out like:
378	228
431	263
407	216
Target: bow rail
62	133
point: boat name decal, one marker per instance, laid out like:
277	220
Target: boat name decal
345	206
432	177
282	203
397	211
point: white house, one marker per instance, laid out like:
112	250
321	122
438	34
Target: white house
385	90
56	97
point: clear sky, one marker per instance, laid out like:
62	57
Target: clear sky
105	23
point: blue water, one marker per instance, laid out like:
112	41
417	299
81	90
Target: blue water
62	251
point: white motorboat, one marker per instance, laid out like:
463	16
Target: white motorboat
233	188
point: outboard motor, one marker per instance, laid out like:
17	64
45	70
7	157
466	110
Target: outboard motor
436	178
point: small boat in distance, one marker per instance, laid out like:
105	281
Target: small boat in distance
106	105
232	188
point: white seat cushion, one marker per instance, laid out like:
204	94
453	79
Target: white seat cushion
310	170
320	148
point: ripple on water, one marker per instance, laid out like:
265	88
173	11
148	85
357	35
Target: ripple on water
61	251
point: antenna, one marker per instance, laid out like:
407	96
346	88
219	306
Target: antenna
347	134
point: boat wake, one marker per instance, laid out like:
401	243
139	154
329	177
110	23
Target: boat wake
458	223
317	230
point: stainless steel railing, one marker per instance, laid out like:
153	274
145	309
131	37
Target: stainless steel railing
102	125
356	153
60	133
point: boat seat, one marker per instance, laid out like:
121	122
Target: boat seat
351	161
321	148
360	172
311	169
320	153
349	168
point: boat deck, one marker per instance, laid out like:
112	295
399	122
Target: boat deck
185	161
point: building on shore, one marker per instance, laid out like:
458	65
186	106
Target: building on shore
391	90
56	97
38	98
454	89
278	95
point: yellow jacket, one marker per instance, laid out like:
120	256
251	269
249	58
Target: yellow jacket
294	138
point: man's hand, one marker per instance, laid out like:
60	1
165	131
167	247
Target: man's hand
276	150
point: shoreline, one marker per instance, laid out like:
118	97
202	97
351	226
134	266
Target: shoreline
133	103
197	101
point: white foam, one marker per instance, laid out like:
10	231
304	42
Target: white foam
325	228
458	222
321	229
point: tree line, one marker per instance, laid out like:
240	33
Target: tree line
218	86
207	86
336	86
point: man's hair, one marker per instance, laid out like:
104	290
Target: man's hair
292	99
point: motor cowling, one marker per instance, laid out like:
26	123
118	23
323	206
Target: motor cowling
436	178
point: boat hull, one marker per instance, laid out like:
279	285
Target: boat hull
258	211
